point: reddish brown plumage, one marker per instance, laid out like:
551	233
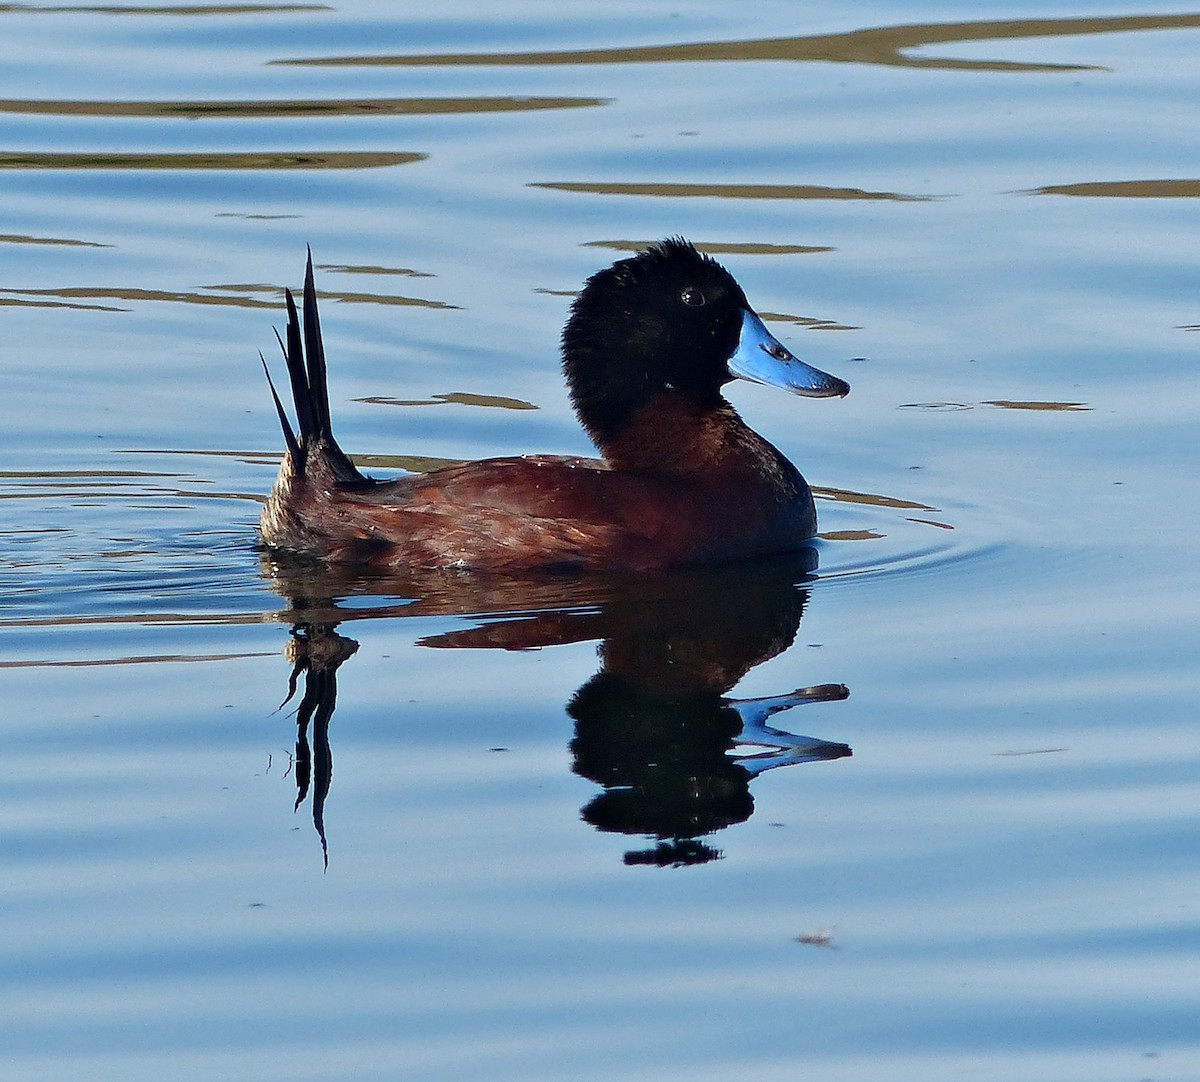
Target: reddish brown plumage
511	514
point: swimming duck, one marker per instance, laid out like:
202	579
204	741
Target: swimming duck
682	480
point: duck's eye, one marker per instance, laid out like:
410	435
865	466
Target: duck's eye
692	297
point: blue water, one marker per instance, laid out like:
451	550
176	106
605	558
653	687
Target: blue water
544	849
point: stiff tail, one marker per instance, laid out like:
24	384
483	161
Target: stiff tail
305	359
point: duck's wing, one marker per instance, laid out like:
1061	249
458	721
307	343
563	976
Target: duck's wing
510	514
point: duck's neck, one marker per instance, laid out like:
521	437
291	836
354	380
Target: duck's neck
670	435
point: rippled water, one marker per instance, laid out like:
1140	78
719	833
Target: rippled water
569	829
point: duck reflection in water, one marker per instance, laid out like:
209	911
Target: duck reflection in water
655	727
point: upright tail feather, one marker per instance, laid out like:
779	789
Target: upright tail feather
305	359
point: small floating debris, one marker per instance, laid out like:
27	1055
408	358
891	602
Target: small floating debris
822	937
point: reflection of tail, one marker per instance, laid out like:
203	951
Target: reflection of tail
305	359
316	652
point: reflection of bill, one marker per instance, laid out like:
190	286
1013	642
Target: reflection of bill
679	770
656	728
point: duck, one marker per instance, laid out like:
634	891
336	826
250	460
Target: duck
682	480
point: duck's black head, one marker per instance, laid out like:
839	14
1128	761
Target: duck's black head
670	320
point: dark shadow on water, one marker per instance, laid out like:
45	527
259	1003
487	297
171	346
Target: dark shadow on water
656	729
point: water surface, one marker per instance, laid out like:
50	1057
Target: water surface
918	804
